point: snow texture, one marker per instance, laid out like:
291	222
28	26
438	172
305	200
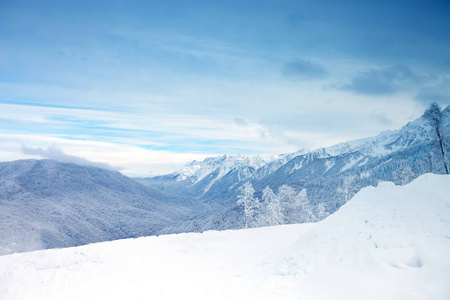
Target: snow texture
388	242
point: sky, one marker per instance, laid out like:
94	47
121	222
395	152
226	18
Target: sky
144	87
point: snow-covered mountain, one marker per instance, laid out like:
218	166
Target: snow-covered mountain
330	176
196	171
335	159
47	204
388	242
204	179
398	156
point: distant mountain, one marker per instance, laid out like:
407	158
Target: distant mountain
330	176
208	178
47	204
215	177
398	156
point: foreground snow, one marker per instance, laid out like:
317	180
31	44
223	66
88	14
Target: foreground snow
388	242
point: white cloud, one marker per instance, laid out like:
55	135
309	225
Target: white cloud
52	152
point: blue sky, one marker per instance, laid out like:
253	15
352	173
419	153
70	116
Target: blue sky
145	86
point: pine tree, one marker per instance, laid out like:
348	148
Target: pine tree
434	116
404	175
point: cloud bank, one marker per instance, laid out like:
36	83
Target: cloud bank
52	152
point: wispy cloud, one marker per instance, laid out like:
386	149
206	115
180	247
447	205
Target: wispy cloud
272	132
153	130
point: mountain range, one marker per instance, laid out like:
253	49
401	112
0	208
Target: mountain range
48	204
330	176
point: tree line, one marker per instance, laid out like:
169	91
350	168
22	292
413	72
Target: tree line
284	207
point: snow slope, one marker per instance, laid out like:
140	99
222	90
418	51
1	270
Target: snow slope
388	242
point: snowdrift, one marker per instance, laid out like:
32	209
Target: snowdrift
388	242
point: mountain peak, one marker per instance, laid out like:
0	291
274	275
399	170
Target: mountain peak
197	170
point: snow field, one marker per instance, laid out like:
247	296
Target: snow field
212	265
388	242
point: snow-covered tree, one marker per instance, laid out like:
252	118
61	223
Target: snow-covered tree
302	212
271	213
320	212
348	189
295	208
286	196
250	204
434	116
404	175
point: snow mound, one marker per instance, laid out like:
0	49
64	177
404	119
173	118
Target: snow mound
388	242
